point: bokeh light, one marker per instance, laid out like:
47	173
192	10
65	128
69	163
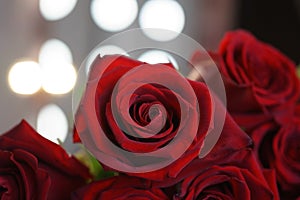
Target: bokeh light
53	10
58	78
56	9
54	50
103	50
114	15
157	56
58	73
162	14
25	77
52	123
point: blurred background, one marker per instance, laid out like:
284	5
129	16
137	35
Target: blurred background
44	42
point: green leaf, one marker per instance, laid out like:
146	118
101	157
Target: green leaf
97	171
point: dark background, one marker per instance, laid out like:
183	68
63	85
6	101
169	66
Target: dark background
273	21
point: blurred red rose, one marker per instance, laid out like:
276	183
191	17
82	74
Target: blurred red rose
278	147
227	182
119	187
260	82
32	167
141	101
286	160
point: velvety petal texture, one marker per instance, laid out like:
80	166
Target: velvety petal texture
168	111
230	171
262	91
225	182
120	187
33	167
260	81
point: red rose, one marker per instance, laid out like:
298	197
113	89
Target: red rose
263	137
230	164
226	182
286	161
119	187
32	167
149	106
260	81
229	171
277	147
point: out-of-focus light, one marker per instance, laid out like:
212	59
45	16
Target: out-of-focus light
59	75
157	56
103	50
56	9
58	78
162	14
52	123
55	50
25	77
114	15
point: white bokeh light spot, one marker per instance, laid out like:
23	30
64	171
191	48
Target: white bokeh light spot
53	10
25	77
162	14
58	78
157	56
54	50
52	123
58	73
113	15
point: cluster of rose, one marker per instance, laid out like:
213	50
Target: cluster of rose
257	155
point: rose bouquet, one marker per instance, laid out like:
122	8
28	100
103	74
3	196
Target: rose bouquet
144	126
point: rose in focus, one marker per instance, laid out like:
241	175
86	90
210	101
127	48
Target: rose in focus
172	114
